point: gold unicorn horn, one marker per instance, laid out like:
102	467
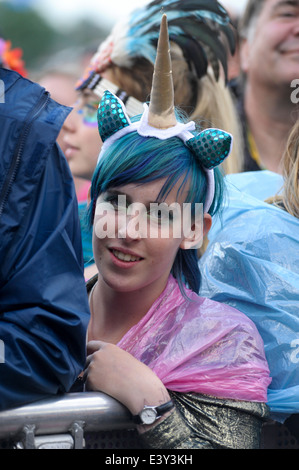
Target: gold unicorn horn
161	108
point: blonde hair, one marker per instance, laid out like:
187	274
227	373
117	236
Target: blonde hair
215	108
289	198
209	102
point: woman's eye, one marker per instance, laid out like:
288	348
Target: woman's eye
288	12
91	109
88	112
161	214
111	199
116	201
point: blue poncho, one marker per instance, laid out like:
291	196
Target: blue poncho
252	264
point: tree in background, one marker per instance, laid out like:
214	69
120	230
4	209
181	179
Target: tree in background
26	28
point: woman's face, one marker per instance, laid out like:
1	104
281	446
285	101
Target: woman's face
82	142
134	244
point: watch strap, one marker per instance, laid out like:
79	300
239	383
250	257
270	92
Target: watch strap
160	410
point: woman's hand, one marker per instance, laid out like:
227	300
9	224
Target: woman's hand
117	373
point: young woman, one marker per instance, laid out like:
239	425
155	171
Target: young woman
191	371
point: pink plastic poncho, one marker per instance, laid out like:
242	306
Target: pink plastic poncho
201	346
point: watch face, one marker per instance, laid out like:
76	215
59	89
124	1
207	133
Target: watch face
148	415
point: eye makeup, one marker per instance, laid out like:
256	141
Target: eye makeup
88	109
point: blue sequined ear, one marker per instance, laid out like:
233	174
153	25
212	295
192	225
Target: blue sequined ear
211	147
111	115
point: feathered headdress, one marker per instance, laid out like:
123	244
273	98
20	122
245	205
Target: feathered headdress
209	147
201	28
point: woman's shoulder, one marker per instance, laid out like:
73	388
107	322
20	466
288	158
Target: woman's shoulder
215	311
193	309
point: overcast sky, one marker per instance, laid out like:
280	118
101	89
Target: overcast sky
63	11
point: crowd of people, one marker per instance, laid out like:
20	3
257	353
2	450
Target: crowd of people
195	329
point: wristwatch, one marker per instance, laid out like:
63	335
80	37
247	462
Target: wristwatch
149	414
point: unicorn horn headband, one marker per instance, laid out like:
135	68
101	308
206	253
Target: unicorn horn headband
210	147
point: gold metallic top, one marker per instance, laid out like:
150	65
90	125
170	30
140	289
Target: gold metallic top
197	422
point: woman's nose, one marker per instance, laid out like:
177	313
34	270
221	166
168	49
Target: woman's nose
71	122
296	26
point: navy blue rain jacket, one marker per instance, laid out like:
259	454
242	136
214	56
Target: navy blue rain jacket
43	302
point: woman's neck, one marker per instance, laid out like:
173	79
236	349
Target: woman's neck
113	313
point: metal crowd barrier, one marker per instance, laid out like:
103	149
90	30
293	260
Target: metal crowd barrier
60	422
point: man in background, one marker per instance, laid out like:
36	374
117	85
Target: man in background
269	60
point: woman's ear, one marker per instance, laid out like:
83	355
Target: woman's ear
207	221
244	55
88	196
198	230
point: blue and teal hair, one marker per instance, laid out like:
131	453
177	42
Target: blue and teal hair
137	159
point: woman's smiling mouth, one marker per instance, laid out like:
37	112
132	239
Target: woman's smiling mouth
126	257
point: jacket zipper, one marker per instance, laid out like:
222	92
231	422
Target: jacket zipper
34	113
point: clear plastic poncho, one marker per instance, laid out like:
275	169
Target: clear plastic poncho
200	346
